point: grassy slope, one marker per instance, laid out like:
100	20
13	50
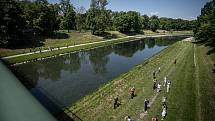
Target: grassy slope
206	81
191	97
101	102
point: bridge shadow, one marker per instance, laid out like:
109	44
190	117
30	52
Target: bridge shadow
61	114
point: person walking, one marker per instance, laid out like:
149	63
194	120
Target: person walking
154	74
168	86
164	113
154	119
146	103
159	69
158	87
175	61
164	81
132	91
116	102
154	84
164	100
128	118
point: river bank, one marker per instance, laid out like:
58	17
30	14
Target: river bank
186	99
53	52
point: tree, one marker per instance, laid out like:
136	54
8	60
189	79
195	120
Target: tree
41	17
128	22
69	15
81	19
122	22
154	23
47	22
205	25
135	21
145	22
12	23
97	16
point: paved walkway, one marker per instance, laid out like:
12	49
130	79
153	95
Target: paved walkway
65	47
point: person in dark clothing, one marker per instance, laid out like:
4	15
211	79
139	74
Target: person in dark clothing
146	102
154	74
154	84
116	102
175	61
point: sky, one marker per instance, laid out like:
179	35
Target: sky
185	9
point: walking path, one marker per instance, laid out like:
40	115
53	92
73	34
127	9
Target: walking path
65	47
143	114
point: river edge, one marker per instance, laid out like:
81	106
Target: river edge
37	56
76	107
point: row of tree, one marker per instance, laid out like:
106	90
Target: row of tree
205	25
22	20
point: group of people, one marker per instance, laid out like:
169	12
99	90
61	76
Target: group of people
156	86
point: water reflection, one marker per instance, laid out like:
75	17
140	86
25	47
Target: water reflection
99	59
129	49
68	78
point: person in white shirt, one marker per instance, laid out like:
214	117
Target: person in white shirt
128	118
164	114
159	69
158	87
164	81
168	86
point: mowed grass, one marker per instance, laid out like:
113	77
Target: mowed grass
63	39
66	50
74	38
206	80
191	98
98	106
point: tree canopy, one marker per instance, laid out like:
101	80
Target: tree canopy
22	21
205	25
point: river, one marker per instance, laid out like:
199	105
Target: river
66	79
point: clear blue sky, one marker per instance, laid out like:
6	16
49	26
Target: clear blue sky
186	9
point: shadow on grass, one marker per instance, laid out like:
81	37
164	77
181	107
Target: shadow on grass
59	35
107	35
133	33
209	44
33	41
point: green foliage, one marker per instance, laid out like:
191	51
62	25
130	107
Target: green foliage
128	22
12	23
205	29
97	16
176	24
154	23
69	15
145	22
81	19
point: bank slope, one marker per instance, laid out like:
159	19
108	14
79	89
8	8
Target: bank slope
182	98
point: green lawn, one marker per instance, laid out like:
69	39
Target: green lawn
191	96
75	38
62	51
